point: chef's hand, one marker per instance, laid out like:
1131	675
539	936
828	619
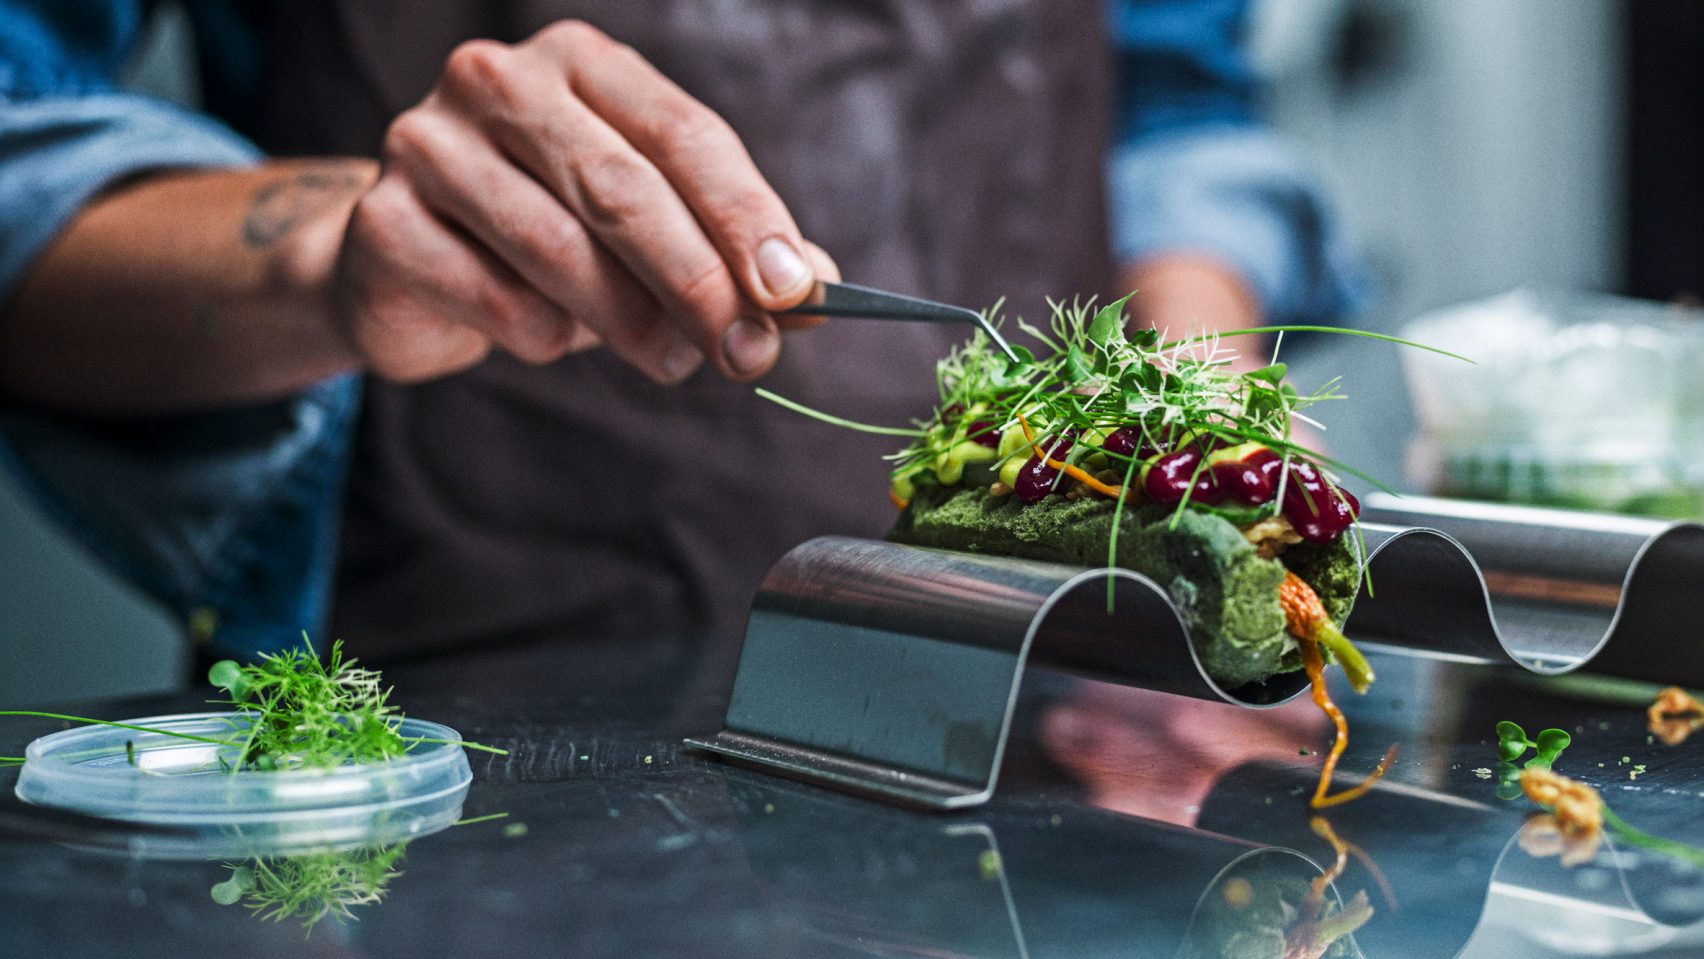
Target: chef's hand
558	194
1184	294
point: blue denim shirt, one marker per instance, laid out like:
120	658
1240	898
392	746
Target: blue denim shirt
235	514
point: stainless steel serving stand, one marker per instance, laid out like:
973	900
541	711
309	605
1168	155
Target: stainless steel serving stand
1547	590
893	671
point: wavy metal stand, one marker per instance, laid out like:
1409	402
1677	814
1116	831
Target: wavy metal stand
893	670
1547	590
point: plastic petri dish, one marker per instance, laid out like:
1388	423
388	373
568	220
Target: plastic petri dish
163	781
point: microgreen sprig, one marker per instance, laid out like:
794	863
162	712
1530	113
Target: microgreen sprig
298	711
1573	823
1512	742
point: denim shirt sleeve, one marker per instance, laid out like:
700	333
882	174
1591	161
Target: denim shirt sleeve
228	517
1192	170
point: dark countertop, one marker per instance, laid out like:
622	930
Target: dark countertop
1117	809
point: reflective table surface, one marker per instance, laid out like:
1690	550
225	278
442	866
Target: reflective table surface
1126	823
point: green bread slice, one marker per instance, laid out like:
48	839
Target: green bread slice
1227	593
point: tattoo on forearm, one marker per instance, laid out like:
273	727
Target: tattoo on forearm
286	203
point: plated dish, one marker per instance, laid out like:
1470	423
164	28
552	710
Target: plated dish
1171	457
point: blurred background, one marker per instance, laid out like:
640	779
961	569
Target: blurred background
1471	148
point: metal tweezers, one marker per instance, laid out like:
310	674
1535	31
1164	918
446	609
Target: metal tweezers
845	299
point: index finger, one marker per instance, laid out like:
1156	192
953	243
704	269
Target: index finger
702	158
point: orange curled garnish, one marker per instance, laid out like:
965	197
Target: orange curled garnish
896	501
1306	619
1543	836
1578	807
1316	890
1075	472
1322	828
1674	716
1313	933
1314	664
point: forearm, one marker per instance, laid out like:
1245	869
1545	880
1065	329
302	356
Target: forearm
185	291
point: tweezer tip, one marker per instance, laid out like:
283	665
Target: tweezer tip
999	340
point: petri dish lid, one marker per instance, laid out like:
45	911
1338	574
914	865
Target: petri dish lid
209	812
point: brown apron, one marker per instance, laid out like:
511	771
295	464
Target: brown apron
951	148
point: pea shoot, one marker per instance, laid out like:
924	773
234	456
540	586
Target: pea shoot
1512	743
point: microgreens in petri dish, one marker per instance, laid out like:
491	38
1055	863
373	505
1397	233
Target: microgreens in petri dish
291	710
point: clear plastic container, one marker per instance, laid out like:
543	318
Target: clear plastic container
208	812
1574	400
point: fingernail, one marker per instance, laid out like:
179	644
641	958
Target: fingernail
680	360
782	268
750	346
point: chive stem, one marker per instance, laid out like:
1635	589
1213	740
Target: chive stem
1639	837
107	722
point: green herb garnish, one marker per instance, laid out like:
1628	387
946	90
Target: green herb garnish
1512	742
1095	376
1098	377
302	712
311	887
